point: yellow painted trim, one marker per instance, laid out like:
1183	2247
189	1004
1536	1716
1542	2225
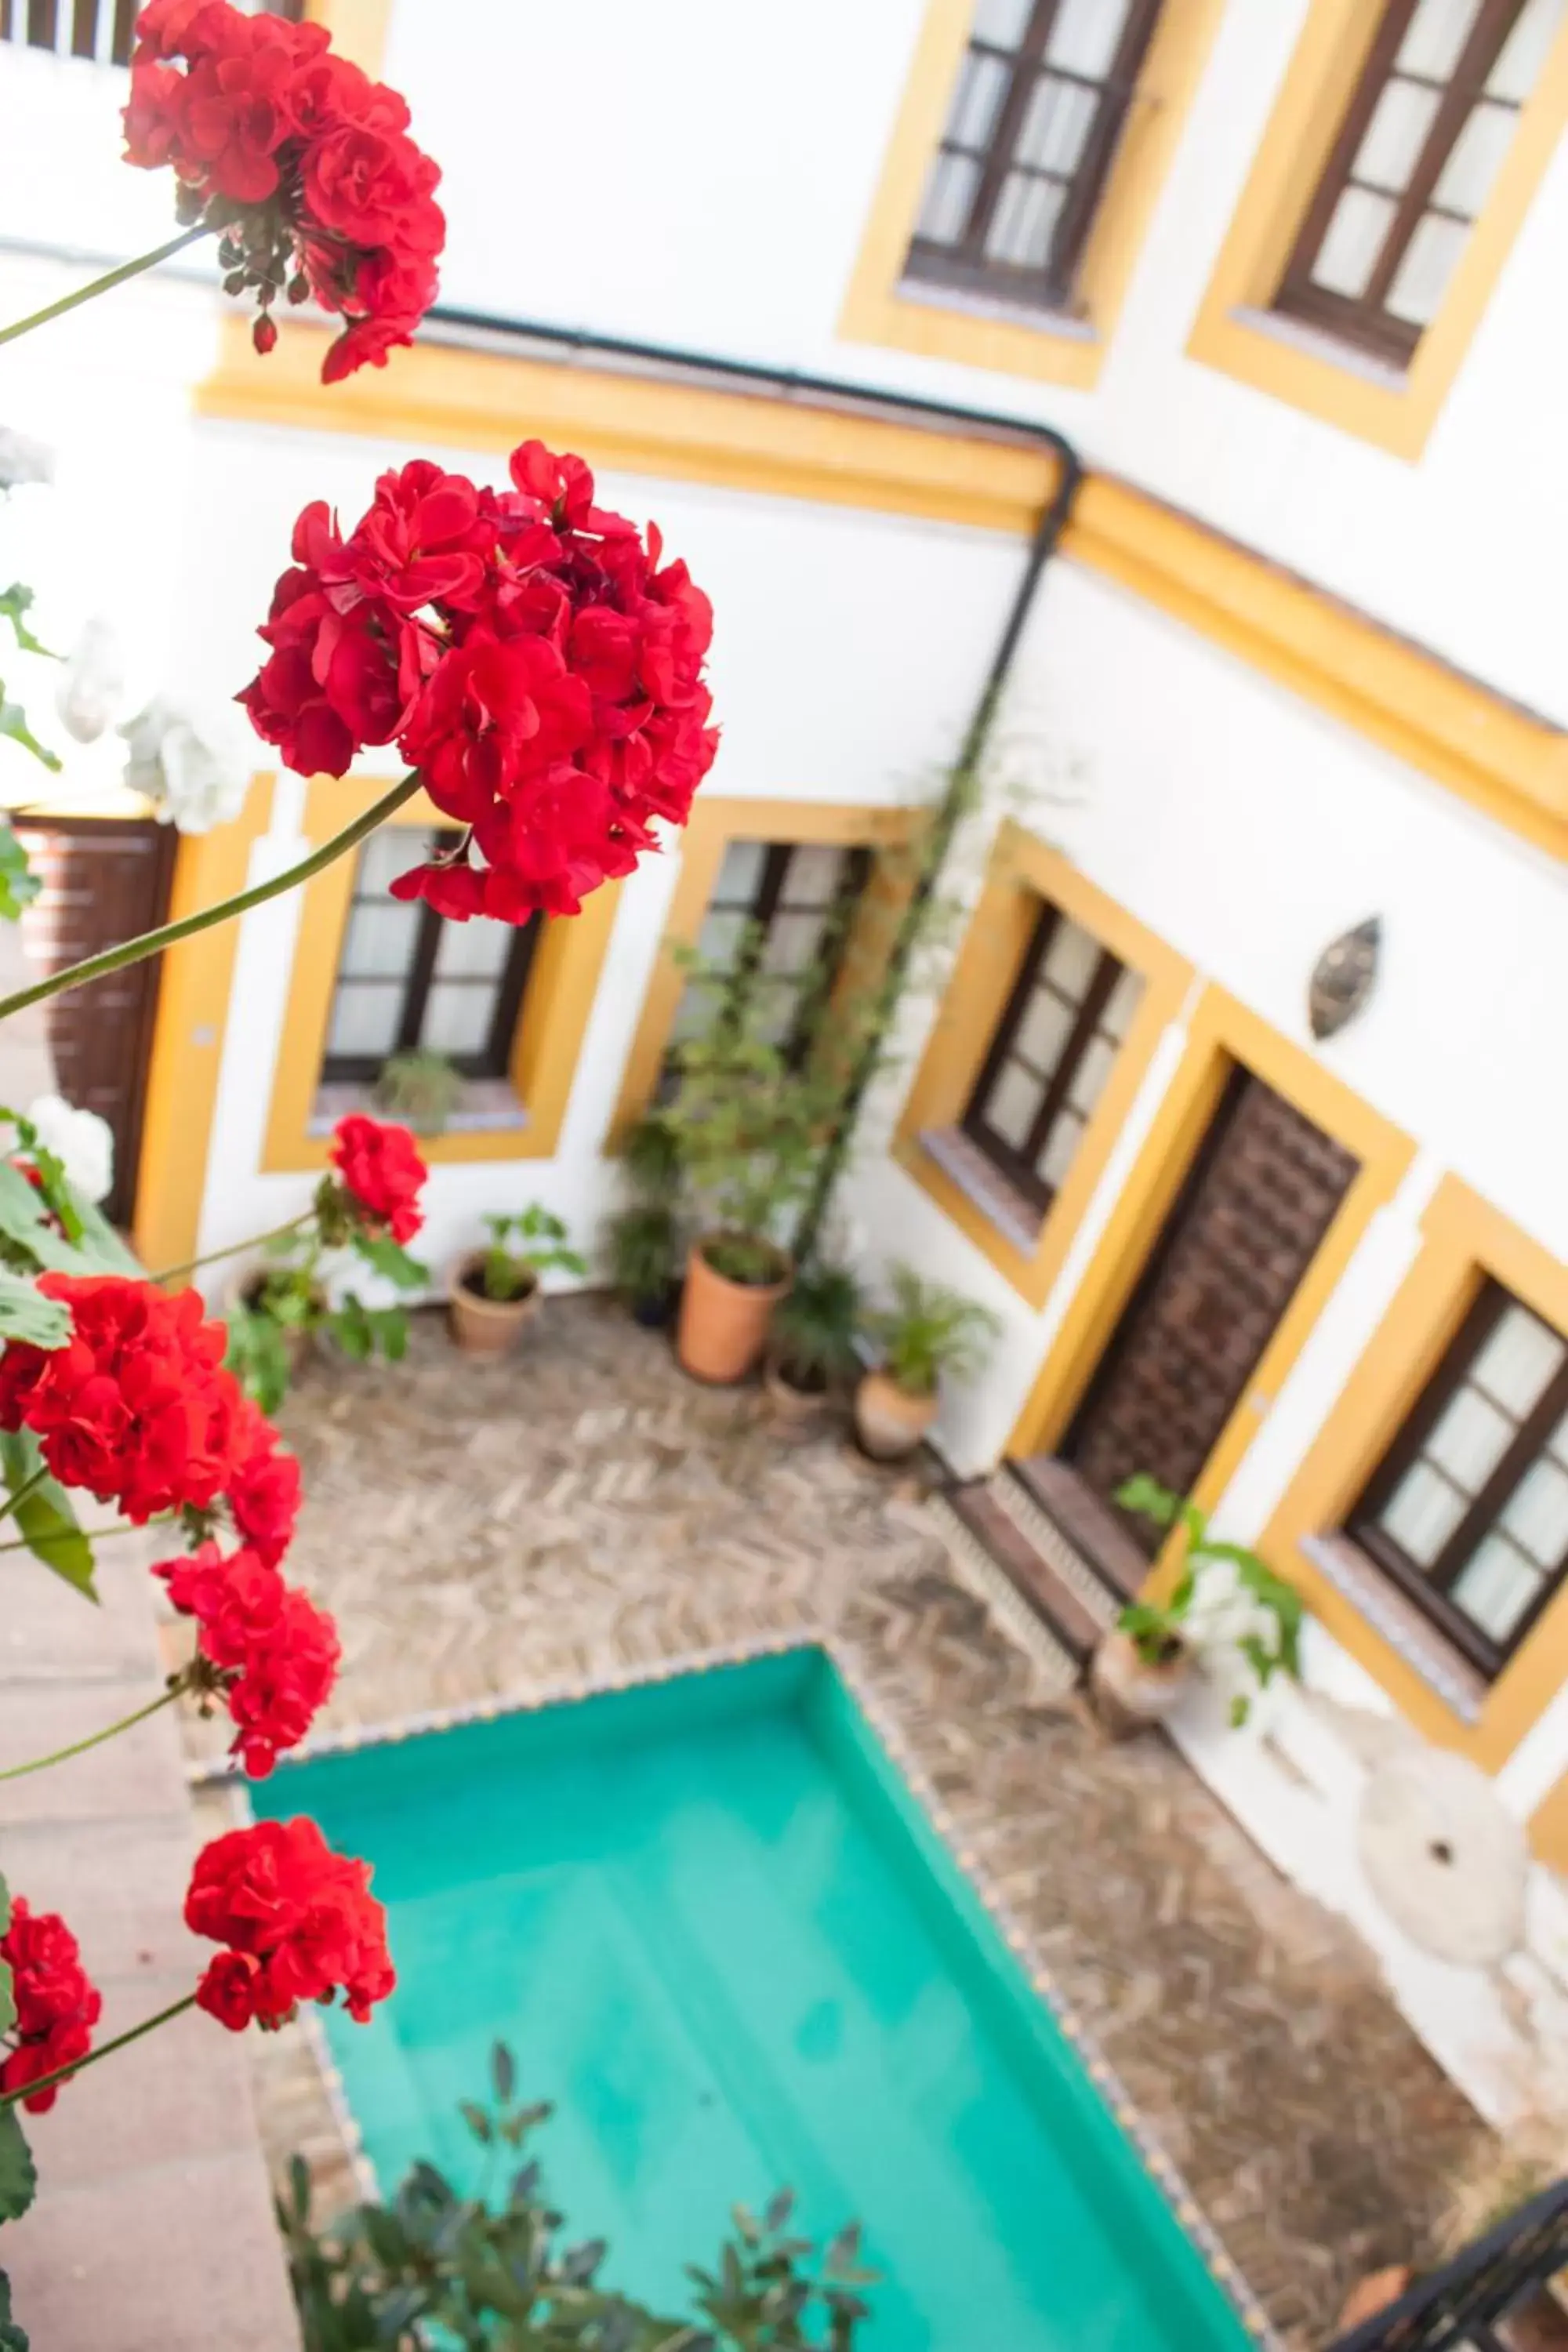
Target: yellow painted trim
555	1007
1501	758
1464	1239
195	985
714	823
881	307
358	28
1022	872
1223	1034
1395	413
481	400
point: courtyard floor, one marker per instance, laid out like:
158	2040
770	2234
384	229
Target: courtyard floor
487	1529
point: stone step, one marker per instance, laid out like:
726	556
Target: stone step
1090	1525
975	1566
980	1509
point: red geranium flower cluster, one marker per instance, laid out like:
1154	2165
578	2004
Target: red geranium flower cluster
530	655
57	2004
381	1171
262	1643
136	1407
299	1921
300	161
264	1490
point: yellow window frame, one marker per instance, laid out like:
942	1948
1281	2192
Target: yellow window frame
1465	1239
562	982
1233	332
1024	874
890	833
881	307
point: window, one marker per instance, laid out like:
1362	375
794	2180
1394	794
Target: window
407	979
1469	1511
1414	161
1046	1069
1040	99
780	911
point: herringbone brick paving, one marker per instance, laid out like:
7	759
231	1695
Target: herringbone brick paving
485	1528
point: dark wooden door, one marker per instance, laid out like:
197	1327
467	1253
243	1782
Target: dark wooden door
104	880
1244	1229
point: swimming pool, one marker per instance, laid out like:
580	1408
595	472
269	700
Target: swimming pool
719	1932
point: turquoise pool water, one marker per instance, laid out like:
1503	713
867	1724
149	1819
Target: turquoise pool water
719	1932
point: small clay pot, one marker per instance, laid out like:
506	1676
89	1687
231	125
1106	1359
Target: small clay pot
299	1343
889	1420
481	1325
1129	1691
796	1407
724	1325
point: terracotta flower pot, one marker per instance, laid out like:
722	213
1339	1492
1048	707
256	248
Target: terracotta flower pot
795	1407
1129	1688
889	1420
724	1325
481	1325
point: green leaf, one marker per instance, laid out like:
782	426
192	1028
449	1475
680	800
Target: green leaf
258	1356
5	1905
1240	1708
15	604
503	2071
44	1518
384	1254
27	1314
19	885
18	2176
25	1221
7	1997
14	723
1149	1500
476	2118
12	2337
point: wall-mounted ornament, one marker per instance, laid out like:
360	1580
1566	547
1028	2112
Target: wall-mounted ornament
1342	978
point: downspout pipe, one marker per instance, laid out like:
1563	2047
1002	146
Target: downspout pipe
955	800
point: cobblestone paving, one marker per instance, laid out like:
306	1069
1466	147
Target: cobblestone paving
483	1529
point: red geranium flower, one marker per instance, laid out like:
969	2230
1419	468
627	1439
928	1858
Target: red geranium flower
299	160
56	2004
381	1172
264	1645
299	1922
136	1407
530	655
263	1493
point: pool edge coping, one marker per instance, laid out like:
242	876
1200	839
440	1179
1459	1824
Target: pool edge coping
221	1773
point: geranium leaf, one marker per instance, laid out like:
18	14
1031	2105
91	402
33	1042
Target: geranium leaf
7	1997
19	885
27	1314
390	1259
14	723
5	1905
44	1518
15	604
18	2177
12	2337
25	1220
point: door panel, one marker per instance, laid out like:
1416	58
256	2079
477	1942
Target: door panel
1244	1229
105	880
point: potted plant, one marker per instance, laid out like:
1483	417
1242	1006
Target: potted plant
420	1088
927	1331
811	1342
493	1291
643	1238
750	1126
1227	1608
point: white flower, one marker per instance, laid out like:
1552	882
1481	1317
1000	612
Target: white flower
22	460
92	686
1223	1612
191	765
81	1142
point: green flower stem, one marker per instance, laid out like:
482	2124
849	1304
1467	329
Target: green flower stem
232	1249
154	942
20	1494
104	285
131	2033
96	1738
96	1535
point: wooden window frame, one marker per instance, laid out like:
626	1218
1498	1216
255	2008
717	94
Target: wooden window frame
1017	1163
964	266
492	1059
1362	320
1430	1586
769	902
